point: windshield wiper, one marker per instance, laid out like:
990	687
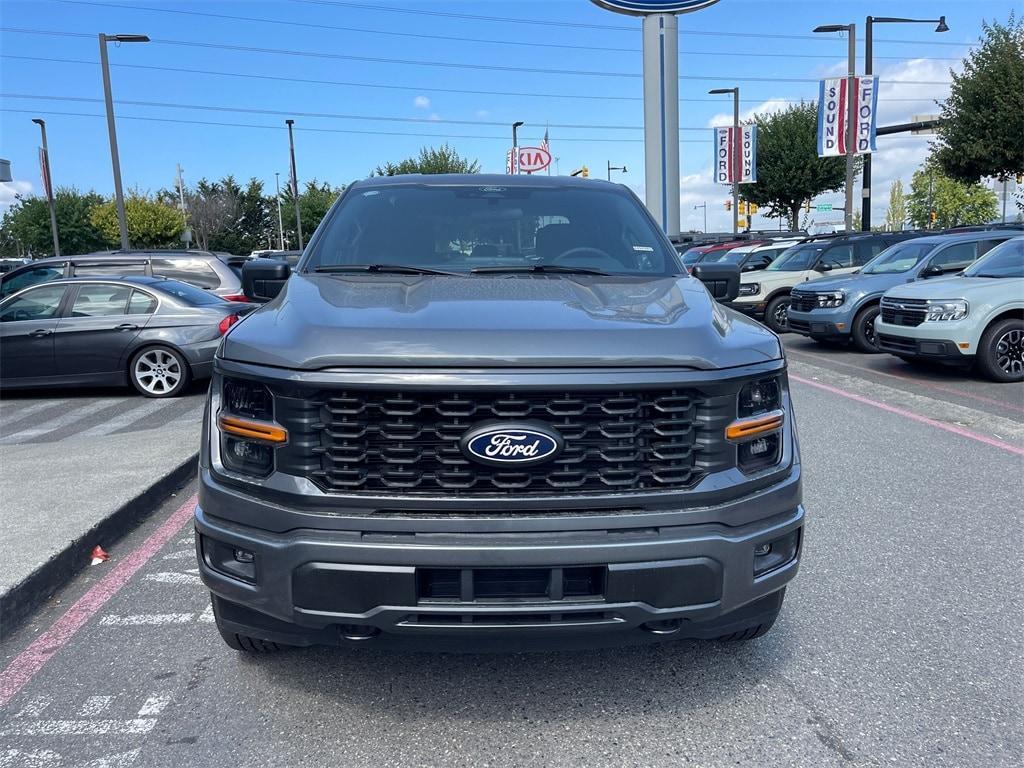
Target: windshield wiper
394	269
539	269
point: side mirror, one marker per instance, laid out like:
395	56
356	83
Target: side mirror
932	270
721	280
263	279
823	266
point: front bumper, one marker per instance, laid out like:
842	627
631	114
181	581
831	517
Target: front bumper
820	324
753	308
681	570
931	341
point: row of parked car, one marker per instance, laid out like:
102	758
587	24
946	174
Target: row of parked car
966	304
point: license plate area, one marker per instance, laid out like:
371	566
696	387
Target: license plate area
496	585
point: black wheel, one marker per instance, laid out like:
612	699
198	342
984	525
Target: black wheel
242	643
776	314
864	337
159	372
749	633
1001	351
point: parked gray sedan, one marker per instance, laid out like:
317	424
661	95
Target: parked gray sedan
153	332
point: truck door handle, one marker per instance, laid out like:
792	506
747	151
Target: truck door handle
39	333
127	327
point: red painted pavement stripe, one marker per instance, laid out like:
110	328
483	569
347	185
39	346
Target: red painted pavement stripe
914	416
25	666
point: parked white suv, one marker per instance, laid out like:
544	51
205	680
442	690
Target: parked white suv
974	317
764	294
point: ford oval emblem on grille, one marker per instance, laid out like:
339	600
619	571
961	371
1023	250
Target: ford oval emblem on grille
511	444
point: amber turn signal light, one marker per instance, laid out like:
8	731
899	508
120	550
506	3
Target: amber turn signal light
253	430
745	429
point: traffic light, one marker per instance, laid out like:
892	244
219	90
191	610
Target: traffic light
751	208
728	205
933	217
741	222
586	172
807	207
743	207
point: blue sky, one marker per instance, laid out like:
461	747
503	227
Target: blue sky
388	93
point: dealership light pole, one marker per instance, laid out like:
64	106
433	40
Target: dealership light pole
736	142
615	168
515	145
280	219
122	223
48	185
851	118
295	184
703	205
865	211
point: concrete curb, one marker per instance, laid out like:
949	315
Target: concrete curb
23	598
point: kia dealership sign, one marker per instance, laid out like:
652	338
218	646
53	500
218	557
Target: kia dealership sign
533	159
637	8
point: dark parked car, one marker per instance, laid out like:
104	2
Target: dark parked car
153	332
199	268
424	434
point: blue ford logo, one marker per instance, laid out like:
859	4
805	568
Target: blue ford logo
642	7
511	444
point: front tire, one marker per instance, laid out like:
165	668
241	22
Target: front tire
776	314
159	372
1001	351
864	337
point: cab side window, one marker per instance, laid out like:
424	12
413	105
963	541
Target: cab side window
20	280
38	304
865	251
141	303
987	245
955	257
104	270
100	300
188	270
838	256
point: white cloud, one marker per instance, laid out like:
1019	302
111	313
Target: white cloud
767	107
10	191
434	116
482	113
421	102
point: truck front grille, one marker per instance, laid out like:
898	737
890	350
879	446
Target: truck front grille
908	312
803	302
391	442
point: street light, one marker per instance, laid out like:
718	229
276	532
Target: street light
295	184
515	145
48	186
736	137
115	161
703	205
851	127
615	168
865	213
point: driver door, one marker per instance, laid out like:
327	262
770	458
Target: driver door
27	324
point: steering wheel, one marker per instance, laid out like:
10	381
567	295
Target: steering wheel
579	255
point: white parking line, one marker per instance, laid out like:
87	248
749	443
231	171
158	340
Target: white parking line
63	421
154	705
143	409
182	554
94	705
79	727
166	577
146	619
206	617
8	413
35	707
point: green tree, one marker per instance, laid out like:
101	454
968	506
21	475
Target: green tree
983	118
151	224
443	159
896	214
955	203
26	224
314	202
789	171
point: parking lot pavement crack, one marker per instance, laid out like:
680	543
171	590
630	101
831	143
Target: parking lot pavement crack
987	424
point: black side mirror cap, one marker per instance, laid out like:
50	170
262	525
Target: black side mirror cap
263	279
721	280
823	267
932	271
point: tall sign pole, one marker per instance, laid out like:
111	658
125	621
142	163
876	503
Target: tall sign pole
660	27
44	168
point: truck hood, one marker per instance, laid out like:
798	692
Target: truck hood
326	321
953	287
858	284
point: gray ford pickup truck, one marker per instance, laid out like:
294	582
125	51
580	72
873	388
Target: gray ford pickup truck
495	408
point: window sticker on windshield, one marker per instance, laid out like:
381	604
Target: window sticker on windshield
644	248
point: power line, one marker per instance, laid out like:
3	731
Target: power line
217	123
462	39
442	64
389	86
608	27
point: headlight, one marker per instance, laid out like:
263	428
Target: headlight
757	432
750	289
834	299
946	309
248	434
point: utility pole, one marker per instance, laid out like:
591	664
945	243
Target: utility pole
737	151
115	161
51	203
703	205
186	233
515	145
280	219
295	184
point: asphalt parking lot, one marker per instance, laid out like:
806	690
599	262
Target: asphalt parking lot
899	643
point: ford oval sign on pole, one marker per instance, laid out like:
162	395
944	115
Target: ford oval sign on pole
533	159
661	100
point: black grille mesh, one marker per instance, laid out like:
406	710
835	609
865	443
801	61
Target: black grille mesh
803	302
391	442
907	312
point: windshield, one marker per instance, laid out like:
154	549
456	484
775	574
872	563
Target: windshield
797	258
735	256
1005	260
461	228
693	255
898	258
